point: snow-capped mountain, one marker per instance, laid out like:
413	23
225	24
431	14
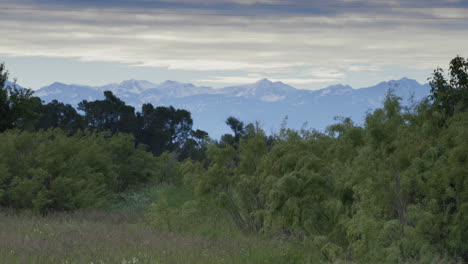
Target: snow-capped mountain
129	86
265	90
265	101
70	94
176	89
338	89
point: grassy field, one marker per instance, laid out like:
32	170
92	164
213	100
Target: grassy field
109	237
125	233
130	232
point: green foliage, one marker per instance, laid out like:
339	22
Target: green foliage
49	170
17	105
391	191
160	129
176	210
116	237
59	115
110	114
165	129
451	95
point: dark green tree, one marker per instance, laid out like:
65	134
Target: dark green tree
236	126
17	105
451	95
59	115
195	147
110	114
4	104
238	130
165	128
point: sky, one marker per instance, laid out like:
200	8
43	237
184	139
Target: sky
308	44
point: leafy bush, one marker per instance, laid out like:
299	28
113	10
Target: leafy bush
49	170
394	190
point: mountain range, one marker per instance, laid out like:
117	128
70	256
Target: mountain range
264	101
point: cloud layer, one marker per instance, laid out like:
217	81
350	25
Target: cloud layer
304	41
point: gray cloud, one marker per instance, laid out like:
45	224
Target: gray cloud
325	41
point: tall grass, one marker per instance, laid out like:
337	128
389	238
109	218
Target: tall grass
130	232
106	237
123	233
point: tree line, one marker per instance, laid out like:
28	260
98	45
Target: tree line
161	129
55	157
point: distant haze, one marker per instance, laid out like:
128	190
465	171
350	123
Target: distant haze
264	101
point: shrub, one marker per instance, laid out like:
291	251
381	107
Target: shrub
49	170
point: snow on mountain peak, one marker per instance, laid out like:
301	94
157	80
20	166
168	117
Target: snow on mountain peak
263	100
169	82
408	82
263	89
174	84
177	89
403	84
264	81
336	89
57	84
136	84
128	87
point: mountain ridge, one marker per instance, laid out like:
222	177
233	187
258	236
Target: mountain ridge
264	100
261	83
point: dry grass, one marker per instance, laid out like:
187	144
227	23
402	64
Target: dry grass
106	237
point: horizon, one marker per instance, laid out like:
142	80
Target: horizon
232	42
217	88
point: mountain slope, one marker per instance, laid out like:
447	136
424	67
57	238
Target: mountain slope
264	101
70	94
264	90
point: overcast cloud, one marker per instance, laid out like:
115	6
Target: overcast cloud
303	42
